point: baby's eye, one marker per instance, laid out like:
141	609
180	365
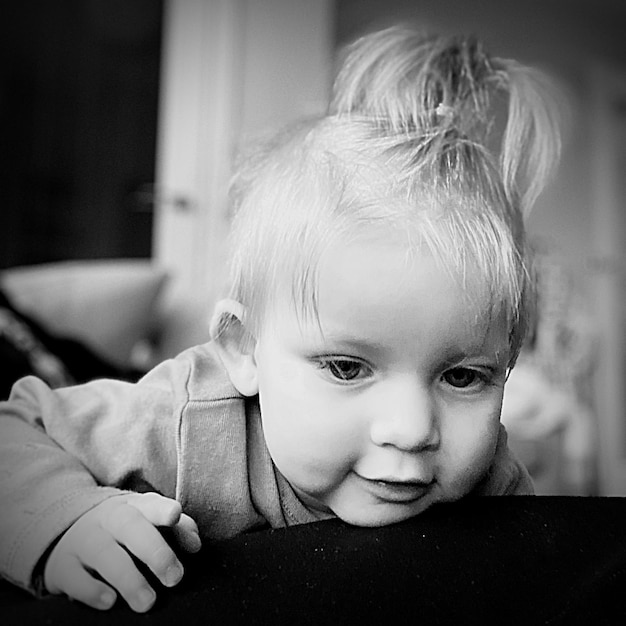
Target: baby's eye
344	369
462	377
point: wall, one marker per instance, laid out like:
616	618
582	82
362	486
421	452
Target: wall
286	71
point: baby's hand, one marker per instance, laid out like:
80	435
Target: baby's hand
100	544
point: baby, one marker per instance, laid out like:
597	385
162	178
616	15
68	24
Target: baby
380	294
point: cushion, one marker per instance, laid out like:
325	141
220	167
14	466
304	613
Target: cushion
27	348
110	305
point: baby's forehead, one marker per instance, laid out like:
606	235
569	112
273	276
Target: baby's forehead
383	267
412	325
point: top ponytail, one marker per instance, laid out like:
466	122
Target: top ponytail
444	92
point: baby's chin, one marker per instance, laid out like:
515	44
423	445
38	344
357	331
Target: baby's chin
383	514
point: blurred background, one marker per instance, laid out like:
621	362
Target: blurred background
120	120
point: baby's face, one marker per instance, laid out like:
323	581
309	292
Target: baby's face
395	404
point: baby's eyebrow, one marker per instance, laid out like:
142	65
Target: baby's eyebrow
476	357
332	341
478	352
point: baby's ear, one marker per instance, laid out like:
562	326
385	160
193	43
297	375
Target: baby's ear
235	345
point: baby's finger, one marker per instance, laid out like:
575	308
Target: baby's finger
186	534
117	568
162	511
158	509
131	529
70	578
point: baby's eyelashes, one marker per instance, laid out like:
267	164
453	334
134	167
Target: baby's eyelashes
464	377
343	369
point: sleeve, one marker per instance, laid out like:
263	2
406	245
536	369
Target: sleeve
507	475
64	451
520	483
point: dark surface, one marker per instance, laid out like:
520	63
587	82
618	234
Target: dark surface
517	560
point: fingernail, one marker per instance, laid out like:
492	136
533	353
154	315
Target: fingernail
196	542
146	599
107	599
173	575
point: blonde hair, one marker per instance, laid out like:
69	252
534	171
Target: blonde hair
411	141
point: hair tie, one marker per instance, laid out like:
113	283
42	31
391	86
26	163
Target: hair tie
444	112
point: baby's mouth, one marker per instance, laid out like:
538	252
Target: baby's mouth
391	489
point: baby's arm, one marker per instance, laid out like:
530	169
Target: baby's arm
100	544
65	453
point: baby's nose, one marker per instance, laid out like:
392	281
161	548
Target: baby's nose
407	417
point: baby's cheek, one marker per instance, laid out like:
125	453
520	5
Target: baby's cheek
315	453
466	462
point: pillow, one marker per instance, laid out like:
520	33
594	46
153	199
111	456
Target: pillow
110	305
26	348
